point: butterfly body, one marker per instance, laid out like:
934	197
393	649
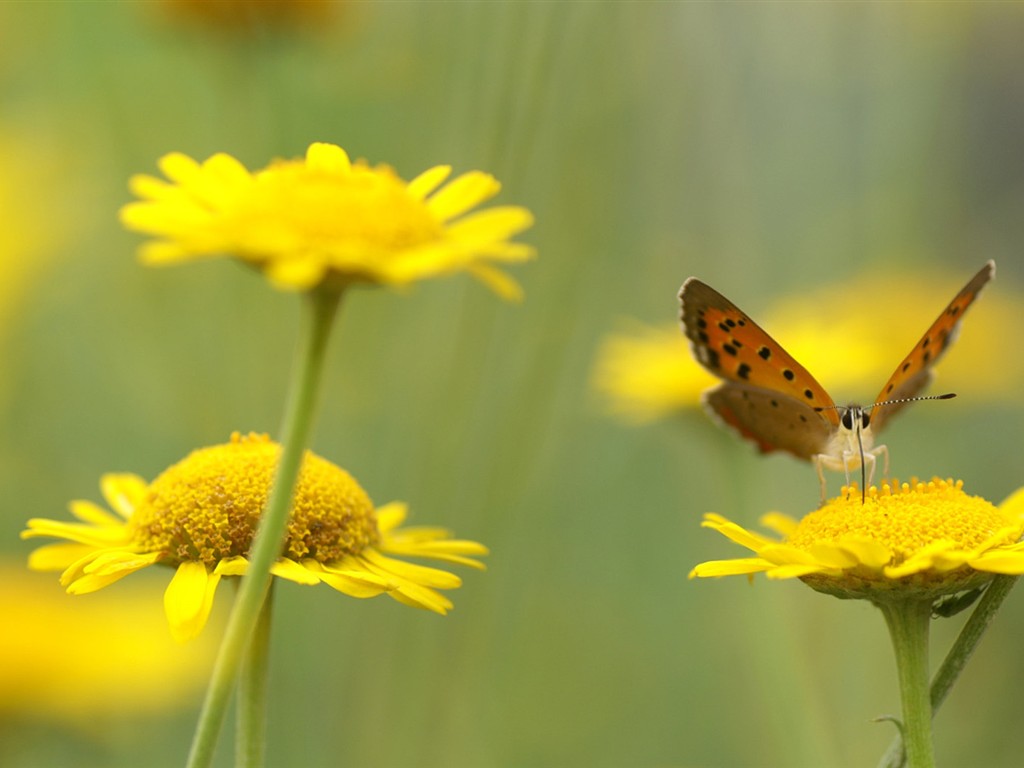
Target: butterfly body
773	401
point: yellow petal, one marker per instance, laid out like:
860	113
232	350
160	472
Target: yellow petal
354	583
188	600
232	566
499	282
714	568
57	557
291	570
428	181
123	492
328	158
93	514
391	515
462	193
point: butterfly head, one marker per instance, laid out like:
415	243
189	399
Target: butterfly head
854	417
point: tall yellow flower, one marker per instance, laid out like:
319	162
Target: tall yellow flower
199	517
325	219
914	550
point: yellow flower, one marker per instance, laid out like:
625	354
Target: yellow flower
926	539
647	373
326	219
72	664
200	515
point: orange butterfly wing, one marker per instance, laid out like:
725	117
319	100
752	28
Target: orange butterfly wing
915	372
766	395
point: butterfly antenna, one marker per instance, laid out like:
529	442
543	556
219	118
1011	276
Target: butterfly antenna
897	401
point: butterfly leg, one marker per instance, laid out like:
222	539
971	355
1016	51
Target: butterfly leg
819	464
883	449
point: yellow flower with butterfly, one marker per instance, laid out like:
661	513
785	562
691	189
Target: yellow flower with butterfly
771	399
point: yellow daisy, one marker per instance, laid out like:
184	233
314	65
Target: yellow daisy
926	539
326	219
200	515
646	373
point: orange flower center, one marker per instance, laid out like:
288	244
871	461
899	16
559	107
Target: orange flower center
207	506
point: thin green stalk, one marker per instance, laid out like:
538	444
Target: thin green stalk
250	739
908	622
320	309
958	656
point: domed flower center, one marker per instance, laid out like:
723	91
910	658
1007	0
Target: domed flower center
907	518
207	506
293	207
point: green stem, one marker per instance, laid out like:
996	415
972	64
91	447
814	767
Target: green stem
250	739
321	308
908	622
958	656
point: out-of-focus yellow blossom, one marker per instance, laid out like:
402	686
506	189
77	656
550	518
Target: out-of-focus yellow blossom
647	373
72	662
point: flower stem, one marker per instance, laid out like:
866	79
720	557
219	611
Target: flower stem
250	741
320	310
958	656
908	622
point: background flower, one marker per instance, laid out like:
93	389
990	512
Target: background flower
324	219
73	669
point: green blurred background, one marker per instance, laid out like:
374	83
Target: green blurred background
767	148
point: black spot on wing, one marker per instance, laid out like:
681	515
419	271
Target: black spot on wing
743	371
764	353
788	374
729	349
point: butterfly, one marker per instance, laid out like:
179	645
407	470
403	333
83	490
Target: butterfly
772	400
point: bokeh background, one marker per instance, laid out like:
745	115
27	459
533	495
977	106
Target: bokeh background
772	149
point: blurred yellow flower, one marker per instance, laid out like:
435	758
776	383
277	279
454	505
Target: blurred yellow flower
647	373
200	516
74	663
29	233
850	336
326	219
928	540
